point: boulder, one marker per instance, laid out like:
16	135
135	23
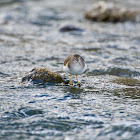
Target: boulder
43	75
110	12
69	28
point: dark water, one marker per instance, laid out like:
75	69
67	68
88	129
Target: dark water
106	106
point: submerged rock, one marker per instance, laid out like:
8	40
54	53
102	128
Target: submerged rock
69	28
127	81
110	12
43	75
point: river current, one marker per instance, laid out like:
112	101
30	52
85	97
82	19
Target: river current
105	107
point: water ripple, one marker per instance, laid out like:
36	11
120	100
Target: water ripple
115	71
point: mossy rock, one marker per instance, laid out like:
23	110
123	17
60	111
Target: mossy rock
127	81
110	12
43	75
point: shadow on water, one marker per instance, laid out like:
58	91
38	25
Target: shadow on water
73	91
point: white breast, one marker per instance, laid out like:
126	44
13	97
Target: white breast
76	68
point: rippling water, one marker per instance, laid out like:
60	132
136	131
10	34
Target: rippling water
106	106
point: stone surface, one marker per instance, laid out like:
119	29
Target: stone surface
42	75
69	28
110	12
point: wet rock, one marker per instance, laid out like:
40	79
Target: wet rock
127	81
43	75
69	28
110	12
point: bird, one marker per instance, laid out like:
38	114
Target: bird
74	64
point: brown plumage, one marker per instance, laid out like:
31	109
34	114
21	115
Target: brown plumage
72	58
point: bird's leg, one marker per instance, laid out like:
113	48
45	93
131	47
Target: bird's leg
71	81
77	79
78	82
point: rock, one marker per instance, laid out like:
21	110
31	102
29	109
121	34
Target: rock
110	12
128	81
69	28
43	75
